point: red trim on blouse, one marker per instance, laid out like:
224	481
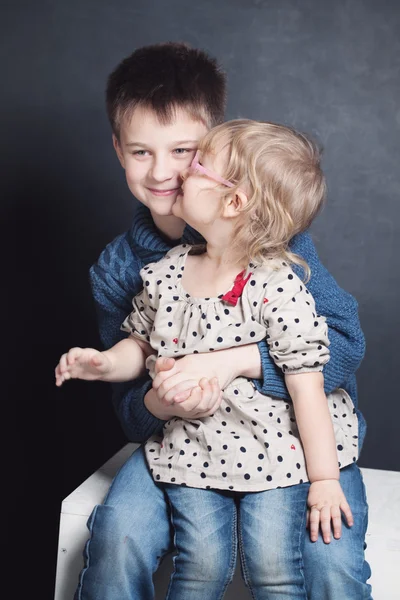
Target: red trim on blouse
234	294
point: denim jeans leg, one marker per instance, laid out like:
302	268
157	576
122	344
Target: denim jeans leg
129	533
339	570
271	527
205	539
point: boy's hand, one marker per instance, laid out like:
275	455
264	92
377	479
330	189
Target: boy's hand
175	379
82	363
203	401
326	502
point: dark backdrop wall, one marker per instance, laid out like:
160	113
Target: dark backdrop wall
329	68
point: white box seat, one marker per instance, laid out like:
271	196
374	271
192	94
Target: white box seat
383	536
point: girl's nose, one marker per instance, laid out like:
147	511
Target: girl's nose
184	174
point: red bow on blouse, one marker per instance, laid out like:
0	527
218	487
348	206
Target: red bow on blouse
235	293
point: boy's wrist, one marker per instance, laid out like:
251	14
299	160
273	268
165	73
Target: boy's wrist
247	362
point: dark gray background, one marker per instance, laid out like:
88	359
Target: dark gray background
329	68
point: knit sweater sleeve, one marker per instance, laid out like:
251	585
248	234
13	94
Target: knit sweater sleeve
114	280
347	342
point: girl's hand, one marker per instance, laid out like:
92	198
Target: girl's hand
326	501
82	363
203	401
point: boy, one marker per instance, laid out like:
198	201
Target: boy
161	100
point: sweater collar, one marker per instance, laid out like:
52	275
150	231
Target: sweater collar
146	239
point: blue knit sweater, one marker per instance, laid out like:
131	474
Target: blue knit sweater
115	279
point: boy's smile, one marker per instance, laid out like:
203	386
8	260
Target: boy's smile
154	154
166	192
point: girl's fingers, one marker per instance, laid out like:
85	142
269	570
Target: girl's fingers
207	399
215	386
204	384
336	522
347	513
325	522
215	397
73	355
314	523
211	411
192	403
211	397
63	363
59	377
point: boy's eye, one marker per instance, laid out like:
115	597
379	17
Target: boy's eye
183	151
140	152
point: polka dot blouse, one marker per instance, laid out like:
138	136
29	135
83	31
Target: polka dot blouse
251	443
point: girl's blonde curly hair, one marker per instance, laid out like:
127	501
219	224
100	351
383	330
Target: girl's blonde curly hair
279	169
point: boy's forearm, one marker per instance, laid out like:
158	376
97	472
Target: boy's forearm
246	361
128	361
315	425
346	353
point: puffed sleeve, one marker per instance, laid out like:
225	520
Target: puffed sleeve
139	322
297	337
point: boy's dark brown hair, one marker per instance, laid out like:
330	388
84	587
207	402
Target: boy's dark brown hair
163	78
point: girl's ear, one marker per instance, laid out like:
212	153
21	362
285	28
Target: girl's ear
234	204
117	148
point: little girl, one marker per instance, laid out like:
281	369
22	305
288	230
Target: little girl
251	187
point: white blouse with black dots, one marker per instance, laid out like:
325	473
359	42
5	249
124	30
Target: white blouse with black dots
252	442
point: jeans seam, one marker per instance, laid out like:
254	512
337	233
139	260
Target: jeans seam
367	586
233	553
175	547
245	571
301	533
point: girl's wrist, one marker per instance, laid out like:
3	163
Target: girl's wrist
334	475
154	406
110	356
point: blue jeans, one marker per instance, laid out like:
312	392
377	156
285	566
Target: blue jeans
131	531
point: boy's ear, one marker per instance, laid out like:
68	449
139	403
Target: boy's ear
234	204
117	148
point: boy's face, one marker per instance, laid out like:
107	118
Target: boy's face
153	156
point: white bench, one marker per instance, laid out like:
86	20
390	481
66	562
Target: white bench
383	536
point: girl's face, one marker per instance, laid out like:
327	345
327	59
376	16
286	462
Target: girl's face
200	202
